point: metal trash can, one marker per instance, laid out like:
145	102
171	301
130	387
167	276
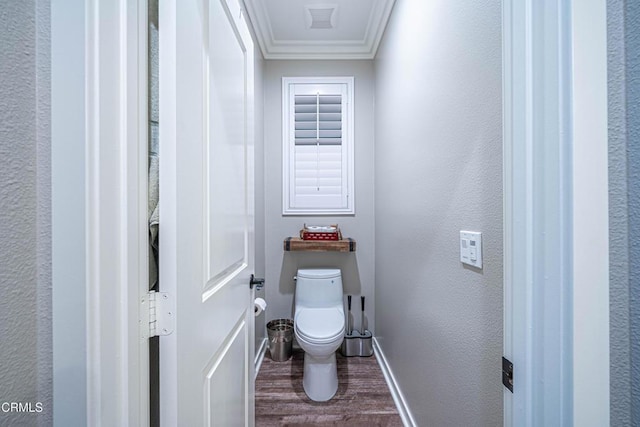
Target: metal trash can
280	335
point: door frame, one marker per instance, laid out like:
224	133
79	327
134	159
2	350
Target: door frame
556	301
99	211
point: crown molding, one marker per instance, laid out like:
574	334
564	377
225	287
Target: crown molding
334	49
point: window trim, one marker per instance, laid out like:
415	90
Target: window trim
348	139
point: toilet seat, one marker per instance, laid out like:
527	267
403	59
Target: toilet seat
319	325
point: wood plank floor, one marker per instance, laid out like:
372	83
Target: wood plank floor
363	398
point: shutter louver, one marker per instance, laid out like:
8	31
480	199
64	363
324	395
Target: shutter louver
318	119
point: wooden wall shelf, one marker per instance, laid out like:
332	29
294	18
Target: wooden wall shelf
297	244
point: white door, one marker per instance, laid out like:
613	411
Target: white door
206	212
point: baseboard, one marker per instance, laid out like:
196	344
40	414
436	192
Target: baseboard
260	355
397	395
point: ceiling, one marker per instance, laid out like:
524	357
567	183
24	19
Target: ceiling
313	29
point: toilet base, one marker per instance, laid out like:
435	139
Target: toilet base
320	378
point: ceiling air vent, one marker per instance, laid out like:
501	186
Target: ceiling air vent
321	16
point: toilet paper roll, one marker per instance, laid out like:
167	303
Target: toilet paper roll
258	306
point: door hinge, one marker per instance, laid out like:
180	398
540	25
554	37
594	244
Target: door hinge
507	373
158	307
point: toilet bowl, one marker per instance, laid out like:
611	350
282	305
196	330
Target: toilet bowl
319	327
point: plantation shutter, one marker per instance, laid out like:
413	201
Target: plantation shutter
318	136
318	171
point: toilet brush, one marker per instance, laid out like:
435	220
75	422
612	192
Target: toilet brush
362	317
349	330
366	343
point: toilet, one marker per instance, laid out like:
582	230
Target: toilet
319	328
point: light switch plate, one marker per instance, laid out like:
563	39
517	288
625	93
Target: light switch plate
471	248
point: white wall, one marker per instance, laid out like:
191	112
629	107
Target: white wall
68	212
357	268
438	170
590	233
258	70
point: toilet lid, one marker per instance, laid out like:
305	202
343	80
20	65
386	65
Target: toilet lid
320	324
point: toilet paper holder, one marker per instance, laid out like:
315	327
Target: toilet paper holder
357	344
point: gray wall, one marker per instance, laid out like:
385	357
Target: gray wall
358	267
25	210
438	171
632	80
618	219
624	209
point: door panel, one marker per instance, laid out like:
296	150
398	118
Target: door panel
206	218
221	404
227	206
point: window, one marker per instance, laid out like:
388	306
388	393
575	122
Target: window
317	145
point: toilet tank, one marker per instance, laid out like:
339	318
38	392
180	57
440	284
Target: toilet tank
319	288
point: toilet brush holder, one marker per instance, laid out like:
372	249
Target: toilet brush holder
357	344
351	345
366	344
